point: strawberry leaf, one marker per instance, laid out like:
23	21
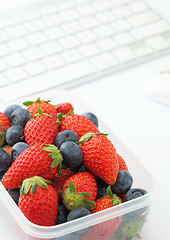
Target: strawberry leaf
72	187
109	192
83	194
33	188
88	204
28	103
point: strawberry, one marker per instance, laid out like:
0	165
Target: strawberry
105	202
36	160
8	148
122	163
105	229
77	123
99	156
44	105
60	178
64	108
79	190
38	201
4	122
40	129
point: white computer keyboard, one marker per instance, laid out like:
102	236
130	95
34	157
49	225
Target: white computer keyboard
63	43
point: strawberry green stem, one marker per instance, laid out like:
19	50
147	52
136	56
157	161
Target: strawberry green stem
2	138
72	200
61	115
28	103
86	137
30	184
54	154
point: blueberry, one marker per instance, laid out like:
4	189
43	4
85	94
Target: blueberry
14	134
65	135
17	149
92	118
78	213
134	193
2	173
123	182
72	155
62	213
82	168
8	111
20	117
101	187
14	193
5	160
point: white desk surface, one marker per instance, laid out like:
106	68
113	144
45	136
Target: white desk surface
141	123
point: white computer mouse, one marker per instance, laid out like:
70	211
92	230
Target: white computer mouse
157	85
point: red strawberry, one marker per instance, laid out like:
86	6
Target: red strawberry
78	190
39	201
34	161
100	157
44	105
64	108
4	122
40	129
60	178
105	202
122	163
78	124
105	229
8	149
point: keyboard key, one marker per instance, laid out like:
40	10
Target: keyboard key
150	30
121	12
17	31
14	60
86	36
143	50
33	54
106	44
101	5
18	44
3	66
157	42
123	54
53	62
16	74
13	21
71	27
124	38
3	36
120	26
88	22
142	18
105	17
89	50
3	80
71	56
69	42
34	26
53	33
52	20
104	61
137	7
69	15
4	50
30	15
48	9
36	38
85	10
51	48
104	31
34	68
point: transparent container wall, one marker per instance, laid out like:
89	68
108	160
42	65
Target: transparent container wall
127	221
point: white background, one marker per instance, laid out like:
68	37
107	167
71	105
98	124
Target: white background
141	123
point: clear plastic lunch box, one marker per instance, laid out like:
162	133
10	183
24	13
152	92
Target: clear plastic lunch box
17	226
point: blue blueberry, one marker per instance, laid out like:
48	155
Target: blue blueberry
78	213
14	193
8	111
2	173
134	193
92	118
62	214
17	149
72	155
20	117
5	160
14	134
82	168
123	182
101	188
65	135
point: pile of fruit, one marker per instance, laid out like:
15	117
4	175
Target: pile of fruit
58	166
